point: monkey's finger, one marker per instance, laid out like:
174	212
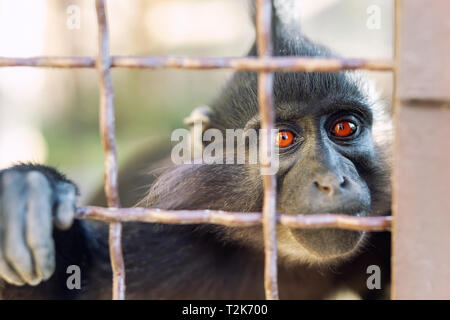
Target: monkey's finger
39	225
65	212
6	272
16	251
9	274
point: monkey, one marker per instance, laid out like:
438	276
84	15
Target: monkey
334	157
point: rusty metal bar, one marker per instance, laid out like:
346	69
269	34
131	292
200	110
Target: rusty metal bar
107	132
48	62
297	64
279	64
421	171
266	110
233	219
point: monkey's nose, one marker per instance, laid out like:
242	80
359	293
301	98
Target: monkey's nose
330	185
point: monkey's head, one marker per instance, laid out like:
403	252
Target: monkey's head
334	138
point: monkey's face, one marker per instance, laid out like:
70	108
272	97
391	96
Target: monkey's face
327	157
328	163
334	138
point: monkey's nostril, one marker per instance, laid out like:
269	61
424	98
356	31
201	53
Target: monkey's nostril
323	188
344	182
332	185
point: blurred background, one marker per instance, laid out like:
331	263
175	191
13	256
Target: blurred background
51	115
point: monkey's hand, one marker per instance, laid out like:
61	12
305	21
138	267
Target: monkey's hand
32	199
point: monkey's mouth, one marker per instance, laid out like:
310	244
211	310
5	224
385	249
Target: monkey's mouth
329	243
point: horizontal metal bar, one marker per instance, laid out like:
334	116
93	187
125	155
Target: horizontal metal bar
235	219
49	62
280	64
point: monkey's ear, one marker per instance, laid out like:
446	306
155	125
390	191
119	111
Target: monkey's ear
199	120
199	114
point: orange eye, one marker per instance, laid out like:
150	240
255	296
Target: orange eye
344	129
285	138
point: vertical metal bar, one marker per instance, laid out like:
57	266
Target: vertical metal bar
107	133
265	100
395	45
421	173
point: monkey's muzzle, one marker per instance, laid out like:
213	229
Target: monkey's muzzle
328	243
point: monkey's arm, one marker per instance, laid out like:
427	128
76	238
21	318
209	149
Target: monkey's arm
34	255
